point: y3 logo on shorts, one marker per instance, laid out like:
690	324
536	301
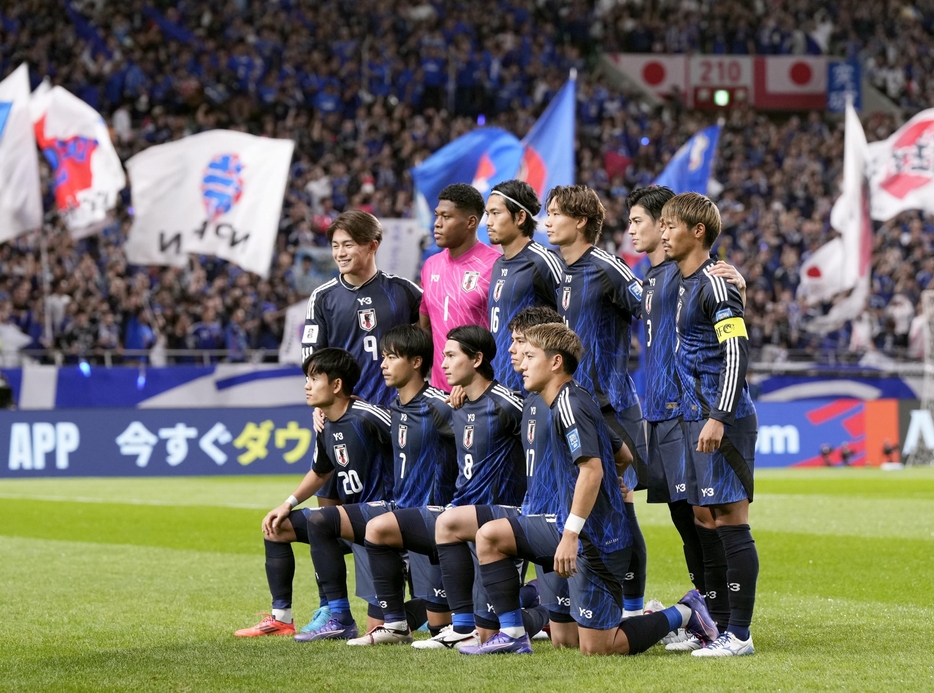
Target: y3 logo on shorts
585	613
490	609
440	593
707	492
564	601
680	488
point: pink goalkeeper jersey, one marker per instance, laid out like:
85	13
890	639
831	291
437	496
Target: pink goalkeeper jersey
455	294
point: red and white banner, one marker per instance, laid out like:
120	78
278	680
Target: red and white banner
850	216
20	190
215	193
901	172
88	175
791	82
657	74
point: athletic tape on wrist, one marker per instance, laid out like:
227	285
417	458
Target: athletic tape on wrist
292	501
575	523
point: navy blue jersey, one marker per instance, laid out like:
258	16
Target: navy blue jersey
424	454
542	496
489	450
579	433
529	279
712	349
355	318
358	449
659	305
598	299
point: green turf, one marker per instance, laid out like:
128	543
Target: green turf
129	584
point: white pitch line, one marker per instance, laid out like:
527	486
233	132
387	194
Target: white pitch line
131	501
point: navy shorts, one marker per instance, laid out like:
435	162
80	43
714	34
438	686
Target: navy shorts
597	587
537	538
665	461
726	475
628	426
426	580
483	610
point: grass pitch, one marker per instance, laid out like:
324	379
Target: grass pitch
120	584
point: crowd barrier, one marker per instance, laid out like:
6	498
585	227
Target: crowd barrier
279	440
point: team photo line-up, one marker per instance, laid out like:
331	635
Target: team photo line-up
487	420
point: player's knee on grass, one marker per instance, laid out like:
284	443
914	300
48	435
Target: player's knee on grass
564	634
384	530
456	525
602	642
495	541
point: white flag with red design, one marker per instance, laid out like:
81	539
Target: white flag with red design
901	169
791	82
657	74
852	251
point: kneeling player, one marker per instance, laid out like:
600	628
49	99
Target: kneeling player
719	418
358	448
589	540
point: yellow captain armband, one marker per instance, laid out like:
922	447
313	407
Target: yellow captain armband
730	329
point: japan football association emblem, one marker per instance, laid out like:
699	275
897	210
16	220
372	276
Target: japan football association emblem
468	437
367	319
471	280
403	435
566	297
340	454
498	289
530	431
648	301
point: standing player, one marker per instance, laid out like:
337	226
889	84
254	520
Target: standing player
526	275
425	466
588	540
703	550
720	422
489	460
456	281
355	448
599	298
357	308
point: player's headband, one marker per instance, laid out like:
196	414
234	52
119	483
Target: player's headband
515	202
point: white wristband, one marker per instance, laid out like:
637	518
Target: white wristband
292	501
575	523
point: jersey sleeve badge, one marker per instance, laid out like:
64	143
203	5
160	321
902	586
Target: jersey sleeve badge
574	440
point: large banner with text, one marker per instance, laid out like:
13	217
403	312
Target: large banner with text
155	442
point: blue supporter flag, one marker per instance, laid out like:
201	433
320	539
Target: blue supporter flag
482	158
170	30
689	169
548	148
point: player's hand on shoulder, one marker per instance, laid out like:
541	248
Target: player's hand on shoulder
710	436
318	419
457	398
728	272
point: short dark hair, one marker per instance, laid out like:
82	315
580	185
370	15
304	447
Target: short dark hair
409	341
524	194
474	340
334	363
693	208
465	197
582	202
361	226
536	315
651	199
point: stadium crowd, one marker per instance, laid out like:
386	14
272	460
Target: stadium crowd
369	100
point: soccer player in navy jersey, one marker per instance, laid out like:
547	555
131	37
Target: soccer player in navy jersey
357	308
588	539
490	472
599	298
355	448
662	403
719	418
425	468
527	274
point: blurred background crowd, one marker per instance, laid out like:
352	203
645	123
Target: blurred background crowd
367	89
